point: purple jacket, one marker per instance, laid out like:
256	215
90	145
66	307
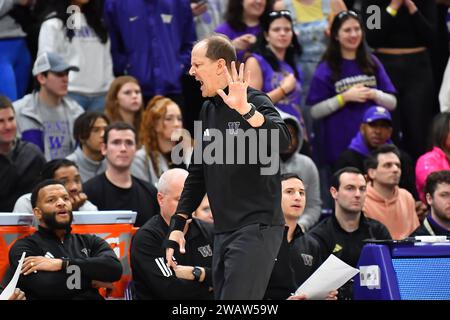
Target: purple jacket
151	41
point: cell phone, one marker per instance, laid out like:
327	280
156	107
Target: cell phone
199	2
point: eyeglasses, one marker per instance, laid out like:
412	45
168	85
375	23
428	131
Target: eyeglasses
343	14
280	13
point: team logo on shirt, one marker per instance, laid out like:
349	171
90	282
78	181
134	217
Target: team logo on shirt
233	127
337	248
307	259
86	252
205	251
166	18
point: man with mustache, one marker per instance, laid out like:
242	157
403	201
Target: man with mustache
59	264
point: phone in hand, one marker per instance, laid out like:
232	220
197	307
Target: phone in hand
199	2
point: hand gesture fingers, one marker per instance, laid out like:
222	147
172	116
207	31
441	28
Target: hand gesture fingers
235	76
228	76
241	73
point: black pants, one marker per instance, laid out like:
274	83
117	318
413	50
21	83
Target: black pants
243	261
412	76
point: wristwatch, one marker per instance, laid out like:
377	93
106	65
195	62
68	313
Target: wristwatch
65	264
197	272
251	113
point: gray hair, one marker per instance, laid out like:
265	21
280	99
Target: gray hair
167	178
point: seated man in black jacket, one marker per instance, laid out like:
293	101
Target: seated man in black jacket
20	161
343	233
437	193
299	254
59	264
191	277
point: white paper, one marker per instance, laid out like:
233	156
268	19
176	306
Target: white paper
9	290
330	276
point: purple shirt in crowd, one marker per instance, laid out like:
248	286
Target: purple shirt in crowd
272	80
226	29
339	128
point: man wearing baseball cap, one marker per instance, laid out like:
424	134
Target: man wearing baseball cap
46	116
376	130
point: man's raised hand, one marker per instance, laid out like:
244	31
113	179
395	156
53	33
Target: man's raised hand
237	89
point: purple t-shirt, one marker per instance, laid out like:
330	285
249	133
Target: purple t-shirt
272	79
337	129
226	29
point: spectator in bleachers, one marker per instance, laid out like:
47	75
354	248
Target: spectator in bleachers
444	92
65	171
88	131
15	60
402	41
53	248
299	254
151	41
385	201
343	233
273	63
376	130
203	211
82	40
161	121
242	23
437	158
208	14
191	278
46	116
116	188
20	161
294	162
124	101
437	193
312	20
345	85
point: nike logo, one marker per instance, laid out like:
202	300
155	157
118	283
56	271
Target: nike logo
133	18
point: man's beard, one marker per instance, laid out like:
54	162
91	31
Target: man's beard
52	224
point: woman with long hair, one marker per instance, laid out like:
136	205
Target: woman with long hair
242	23
82	40
124	101
273	63
346	83
160	131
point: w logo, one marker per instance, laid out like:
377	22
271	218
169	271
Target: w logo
307	259
233	127
205	251
56	142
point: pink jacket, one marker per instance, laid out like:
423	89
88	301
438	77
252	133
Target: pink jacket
432	161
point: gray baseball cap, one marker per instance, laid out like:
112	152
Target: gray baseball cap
49	61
